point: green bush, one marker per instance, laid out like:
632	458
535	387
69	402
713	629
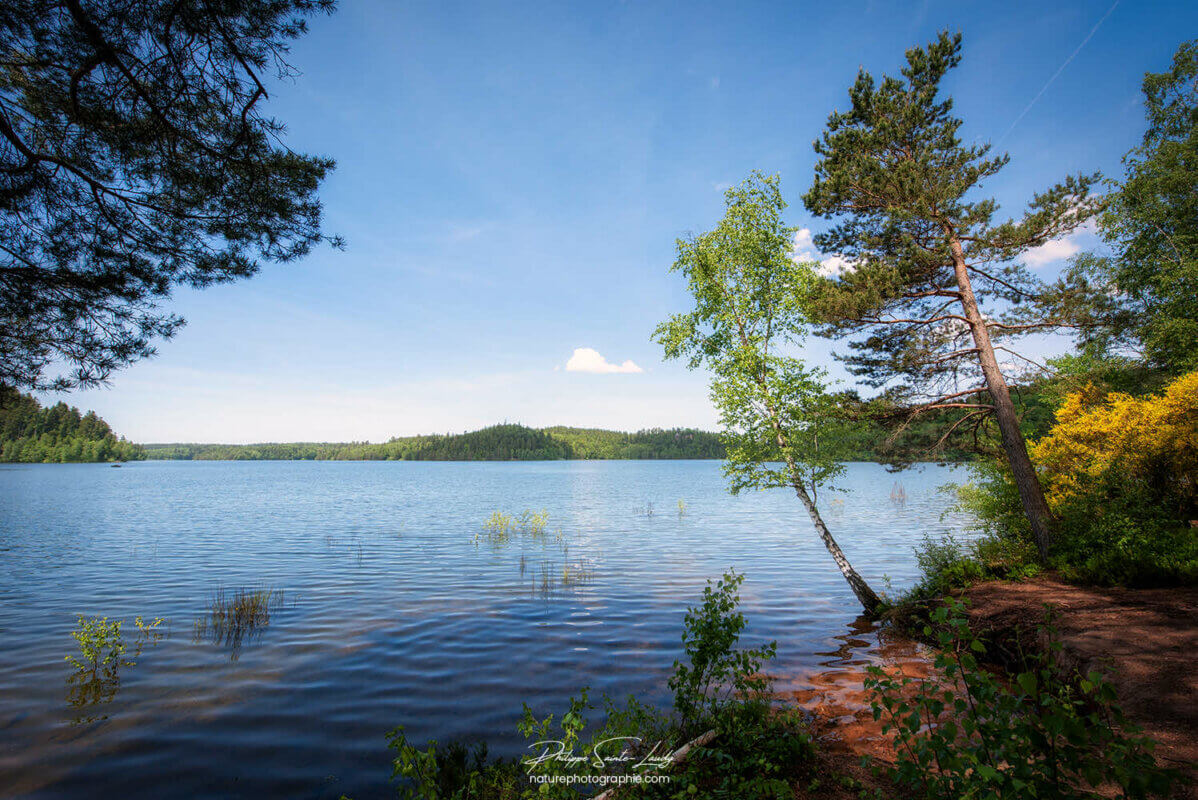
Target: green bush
1114	535
967	733
717	675
947	564
1126	545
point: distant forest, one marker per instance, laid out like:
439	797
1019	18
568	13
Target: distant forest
60	433
32	434
507	442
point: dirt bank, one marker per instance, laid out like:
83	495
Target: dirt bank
1145	640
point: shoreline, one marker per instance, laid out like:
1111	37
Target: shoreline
1142	640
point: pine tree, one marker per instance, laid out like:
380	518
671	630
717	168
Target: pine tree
135	156
934	289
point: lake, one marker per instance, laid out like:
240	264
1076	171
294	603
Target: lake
392	614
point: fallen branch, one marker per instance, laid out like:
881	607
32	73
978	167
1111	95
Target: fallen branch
676	758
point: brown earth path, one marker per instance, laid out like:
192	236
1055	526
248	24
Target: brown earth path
1145	641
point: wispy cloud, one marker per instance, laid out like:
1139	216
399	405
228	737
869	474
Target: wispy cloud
586	359
1060	69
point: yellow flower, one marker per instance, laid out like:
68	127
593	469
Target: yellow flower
1121	436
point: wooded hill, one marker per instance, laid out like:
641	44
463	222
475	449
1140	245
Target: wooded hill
507	442
32	434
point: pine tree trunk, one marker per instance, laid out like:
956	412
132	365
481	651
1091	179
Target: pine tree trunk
868	598
1031	493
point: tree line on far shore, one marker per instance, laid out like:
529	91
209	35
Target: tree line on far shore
506	442
30	433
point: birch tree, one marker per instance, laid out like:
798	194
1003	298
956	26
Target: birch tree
780	424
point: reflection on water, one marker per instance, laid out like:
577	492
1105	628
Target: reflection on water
403	619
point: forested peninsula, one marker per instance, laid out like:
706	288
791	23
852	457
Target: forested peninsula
32	434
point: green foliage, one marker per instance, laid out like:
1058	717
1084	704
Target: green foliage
1120	473
137	156
858	438
967	733
1130	543
454	772
654	443
746	289
756	756
102	655
901	187
100	644
946	564
781	425
716	674
500	527
1151	223
1124	538
58	434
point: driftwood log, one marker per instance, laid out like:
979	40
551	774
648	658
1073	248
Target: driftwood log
676	758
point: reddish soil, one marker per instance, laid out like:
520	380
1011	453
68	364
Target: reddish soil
1145	641
838	704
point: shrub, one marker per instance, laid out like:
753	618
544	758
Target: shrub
716	674
1121	475
100	645
967	733
102	655
1120	445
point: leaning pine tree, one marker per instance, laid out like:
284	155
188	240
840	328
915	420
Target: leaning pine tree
780	424
935	289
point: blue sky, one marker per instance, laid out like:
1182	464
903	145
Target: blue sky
512	177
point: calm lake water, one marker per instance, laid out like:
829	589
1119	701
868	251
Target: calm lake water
392	614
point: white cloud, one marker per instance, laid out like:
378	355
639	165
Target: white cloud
1056	250
835	266
804	243
829	266
586	359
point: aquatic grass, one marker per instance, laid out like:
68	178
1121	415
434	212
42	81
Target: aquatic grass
501	528
534	523
579	573
234	616
554	572
555	575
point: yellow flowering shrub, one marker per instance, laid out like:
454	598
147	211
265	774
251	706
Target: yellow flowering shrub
1121	442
